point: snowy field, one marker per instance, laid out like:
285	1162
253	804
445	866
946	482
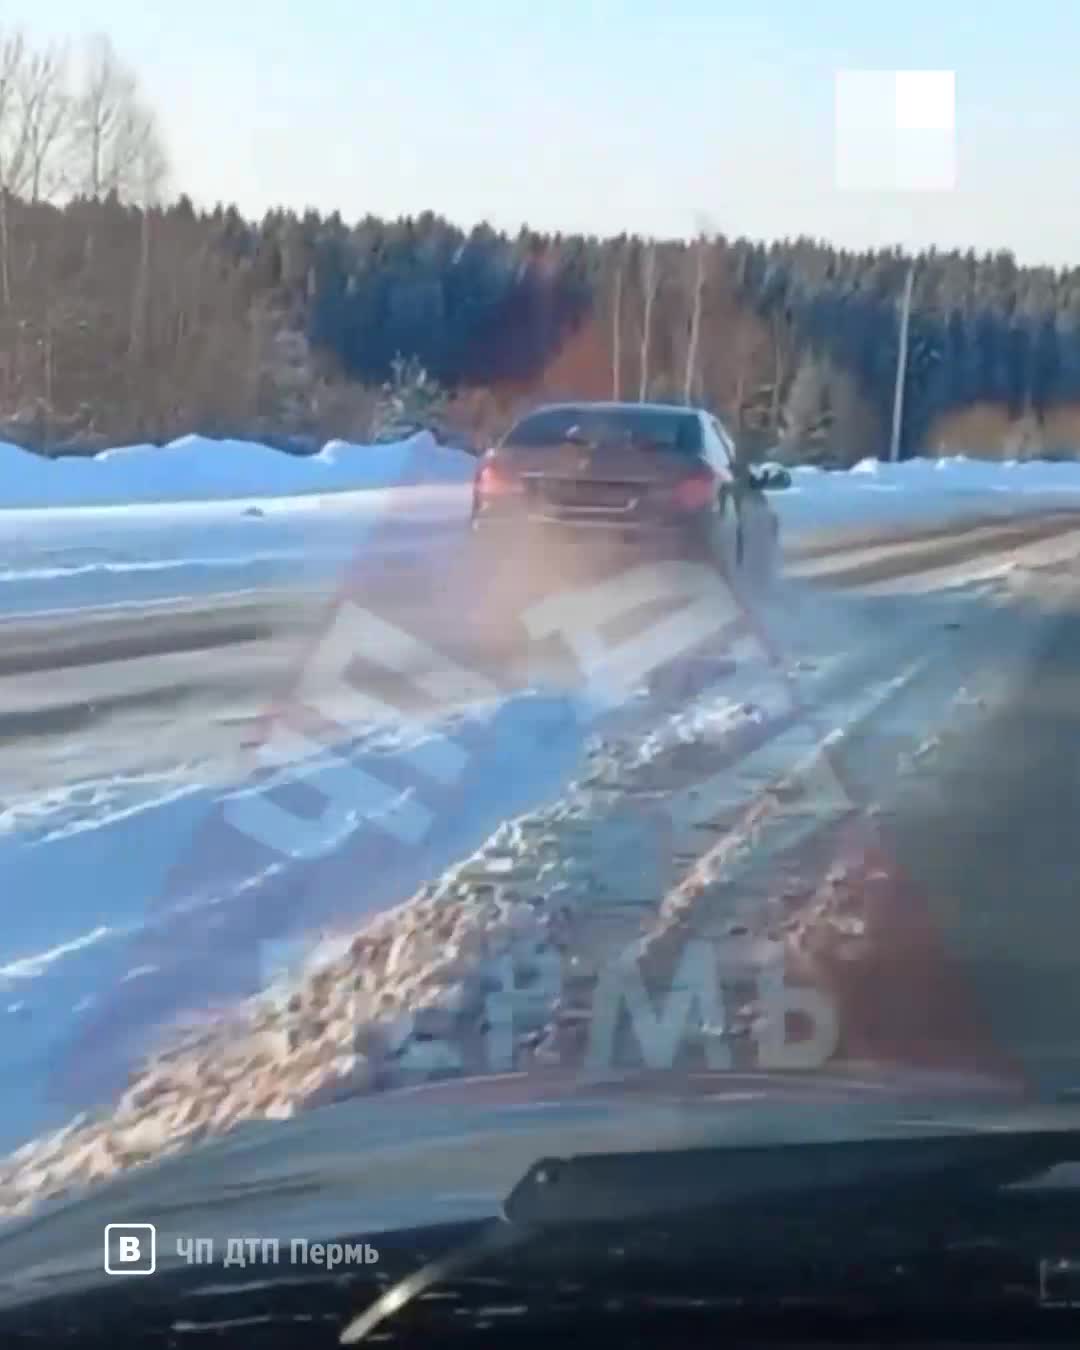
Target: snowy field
921	494
203	517
73	557
87	861
196	468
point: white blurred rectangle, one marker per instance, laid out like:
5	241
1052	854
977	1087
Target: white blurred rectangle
895	130
925	100
925	161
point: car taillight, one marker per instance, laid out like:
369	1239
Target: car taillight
694	493
494	480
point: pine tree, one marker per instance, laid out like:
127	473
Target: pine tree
411	401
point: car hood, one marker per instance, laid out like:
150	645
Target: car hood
424	1158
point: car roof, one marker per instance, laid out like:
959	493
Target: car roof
612	406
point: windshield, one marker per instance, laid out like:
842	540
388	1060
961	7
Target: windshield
364	787
605	428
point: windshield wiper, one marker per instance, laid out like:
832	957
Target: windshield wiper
616	1187
606	1188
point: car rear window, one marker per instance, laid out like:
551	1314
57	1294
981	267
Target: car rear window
640	427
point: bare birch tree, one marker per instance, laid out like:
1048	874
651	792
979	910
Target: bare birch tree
45	108
648	287
779	370
12	147
616	327
691	371
136	166
33	112
116	145
105	88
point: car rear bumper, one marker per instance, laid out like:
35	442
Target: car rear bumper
686	535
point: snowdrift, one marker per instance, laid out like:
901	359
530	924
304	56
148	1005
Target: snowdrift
196	468
922	492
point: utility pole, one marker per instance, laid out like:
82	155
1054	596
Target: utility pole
901	368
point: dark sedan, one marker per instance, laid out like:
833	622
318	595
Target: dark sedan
638	471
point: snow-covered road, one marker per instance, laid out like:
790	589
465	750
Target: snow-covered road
113	766
887	681
100	816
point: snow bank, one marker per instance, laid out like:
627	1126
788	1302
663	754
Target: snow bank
875	496
196	468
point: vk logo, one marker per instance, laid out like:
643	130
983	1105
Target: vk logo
130	1249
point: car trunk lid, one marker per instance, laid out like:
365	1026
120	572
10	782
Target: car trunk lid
581	479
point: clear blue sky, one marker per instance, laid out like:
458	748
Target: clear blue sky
580	115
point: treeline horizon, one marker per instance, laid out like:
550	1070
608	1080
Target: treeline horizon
128	313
